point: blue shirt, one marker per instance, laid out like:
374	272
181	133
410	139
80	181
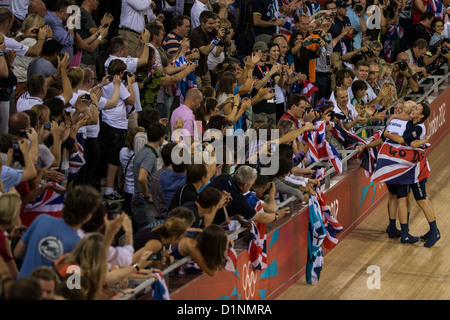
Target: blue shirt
10	177
47	239
60	33
170	183
354	21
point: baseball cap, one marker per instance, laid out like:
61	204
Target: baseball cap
259	45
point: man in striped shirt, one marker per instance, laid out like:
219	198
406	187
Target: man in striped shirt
181	26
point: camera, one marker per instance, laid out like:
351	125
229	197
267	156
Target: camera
125	74
315	40
227	31
317	32
370	54
357	6
112	209
87	97
195	62
333	115
402	65
445	50
23	133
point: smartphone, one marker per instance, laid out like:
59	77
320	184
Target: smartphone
47	126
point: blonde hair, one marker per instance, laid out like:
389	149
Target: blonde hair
32	21
43	113
90	256
225	23
76	76
9	207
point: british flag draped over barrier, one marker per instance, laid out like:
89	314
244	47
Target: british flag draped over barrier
231	260
400	164
332	226
257	240
316	235
319	148
257	245
323	230
160	290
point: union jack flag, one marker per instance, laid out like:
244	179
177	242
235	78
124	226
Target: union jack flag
189	82
316	236
160	290
392	33
434	6
257	245
369	156
76	159
319	148
332	226
50	202
231	262
350	140
398	164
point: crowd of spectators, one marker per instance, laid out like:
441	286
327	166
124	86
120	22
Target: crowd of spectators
124	125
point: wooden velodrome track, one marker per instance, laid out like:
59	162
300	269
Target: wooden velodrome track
406	271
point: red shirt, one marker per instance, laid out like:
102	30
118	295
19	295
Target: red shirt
288	116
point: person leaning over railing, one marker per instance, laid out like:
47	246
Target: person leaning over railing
207	248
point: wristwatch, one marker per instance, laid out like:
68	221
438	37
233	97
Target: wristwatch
276	216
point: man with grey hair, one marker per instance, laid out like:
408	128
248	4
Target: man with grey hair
238	185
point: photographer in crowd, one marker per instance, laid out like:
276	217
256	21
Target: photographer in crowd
405	77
